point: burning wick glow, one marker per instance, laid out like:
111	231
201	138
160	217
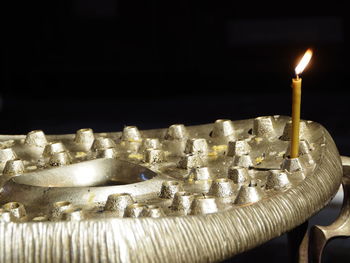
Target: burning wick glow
296	102
303	62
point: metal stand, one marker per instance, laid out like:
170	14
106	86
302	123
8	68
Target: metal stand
298	243
320	235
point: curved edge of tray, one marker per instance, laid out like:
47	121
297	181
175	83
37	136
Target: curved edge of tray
212	237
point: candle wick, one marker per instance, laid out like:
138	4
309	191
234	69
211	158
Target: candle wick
297	76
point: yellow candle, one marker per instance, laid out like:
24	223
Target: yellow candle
296	102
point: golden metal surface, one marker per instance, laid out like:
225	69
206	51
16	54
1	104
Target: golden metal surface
183	194
321	235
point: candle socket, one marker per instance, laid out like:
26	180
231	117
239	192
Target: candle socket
131	134
36	138
84	137
152	211
118	203
243	160
107	153
182	201
223	128
249	194
203	205
277	179
16	209
13	167
52	148
200	173
221	187
191	161
263	127
58	210
59	159
134	210
196	146
102	143
238	174
291	164
7	154
150	143
240	147
73	214
176	132
169	189
153	156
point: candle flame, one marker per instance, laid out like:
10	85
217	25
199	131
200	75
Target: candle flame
303	62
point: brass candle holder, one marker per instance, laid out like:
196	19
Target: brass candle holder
184	194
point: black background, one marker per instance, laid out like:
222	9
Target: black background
104	64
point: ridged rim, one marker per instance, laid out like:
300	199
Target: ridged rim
203	238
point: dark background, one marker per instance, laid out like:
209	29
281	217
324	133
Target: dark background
104	64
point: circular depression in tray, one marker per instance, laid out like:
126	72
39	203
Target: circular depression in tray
100	172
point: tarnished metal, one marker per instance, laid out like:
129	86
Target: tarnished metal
184	194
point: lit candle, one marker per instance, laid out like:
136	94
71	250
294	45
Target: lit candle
296	101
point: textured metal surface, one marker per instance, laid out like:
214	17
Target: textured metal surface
321	235
184	194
